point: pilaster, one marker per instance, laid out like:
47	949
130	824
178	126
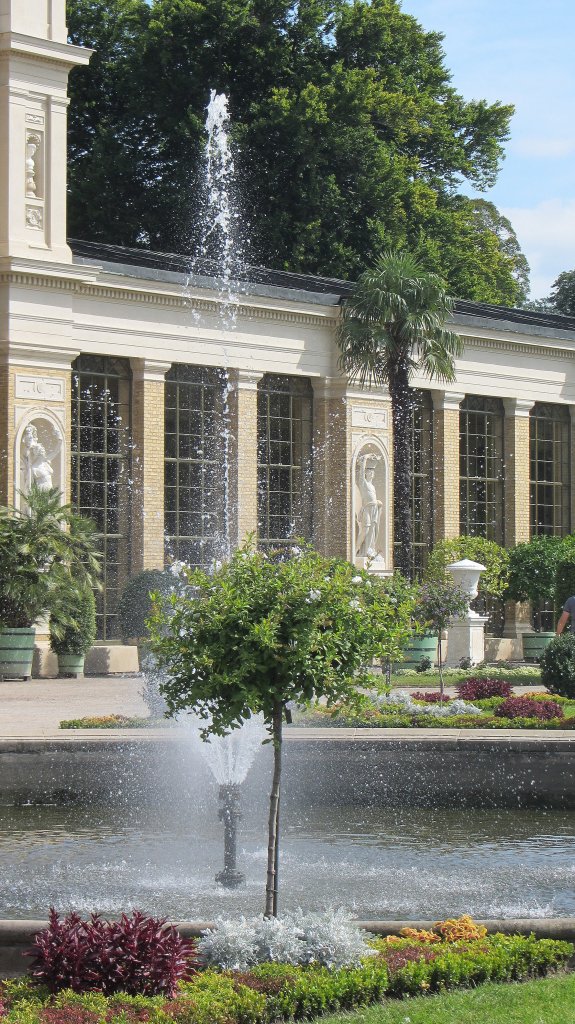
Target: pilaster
331	462
446	463
35	392
243	454
148	463
517	519
35	61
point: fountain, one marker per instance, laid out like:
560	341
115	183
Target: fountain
229	759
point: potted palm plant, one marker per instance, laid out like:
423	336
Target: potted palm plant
41	548
71	638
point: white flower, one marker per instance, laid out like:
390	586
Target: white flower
357	579
355	603
314	595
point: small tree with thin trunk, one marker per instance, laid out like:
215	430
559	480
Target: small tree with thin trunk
392	327
265	630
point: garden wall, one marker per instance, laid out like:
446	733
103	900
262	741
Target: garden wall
365	767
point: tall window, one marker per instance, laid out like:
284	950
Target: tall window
195	464
421	480
481	468
100	470
549	429
284	458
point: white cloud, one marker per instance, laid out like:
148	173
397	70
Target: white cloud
546	233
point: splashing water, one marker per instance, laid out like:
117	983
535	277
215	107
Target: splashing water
220	245
230	757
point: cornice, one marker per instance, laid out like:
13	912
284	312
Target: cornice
170	300
17	44
509	345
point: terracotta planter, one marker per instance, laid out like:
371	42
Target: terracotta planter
71	665
16	652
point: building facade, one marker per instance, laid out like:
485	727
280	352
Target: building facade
122	384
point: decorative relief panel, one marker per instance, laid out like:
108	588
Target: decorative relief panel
376	419
35	217
49	389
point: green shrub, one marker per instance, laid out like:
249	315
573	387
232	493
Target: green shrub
564	582
73	623
558	665
135	605
532	568
493	582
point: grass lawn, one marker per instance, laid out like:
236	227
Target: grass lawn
546	1001
519	675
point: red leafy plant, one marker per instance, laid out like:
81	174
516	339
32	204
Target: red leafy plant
137	955
526	707
481	689
68	1015
398	958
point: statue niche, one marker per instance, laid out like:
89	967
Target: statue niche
369	539
40	456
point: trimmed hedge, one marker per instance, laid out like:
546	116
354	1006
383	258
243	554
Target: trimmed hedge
276	992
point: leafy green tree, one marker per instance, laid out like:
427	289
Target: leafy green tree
392	326
350	135
263	631
562	295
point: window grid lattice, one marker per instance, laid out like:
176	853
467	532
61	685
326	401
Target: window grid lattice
481	472
195	477
100	472
284	459
549	429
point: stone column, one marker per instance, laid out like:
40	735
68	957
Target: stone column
148	429
243	454
331	461
446	464
517	517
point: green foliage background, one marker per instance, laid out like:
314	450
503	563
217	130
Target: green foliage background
350	136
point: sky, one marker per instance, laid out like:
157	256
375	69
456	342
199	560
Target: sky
521	52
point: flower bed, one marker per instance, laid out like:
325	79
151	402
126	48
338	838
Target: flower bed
424	710
455	954
114	722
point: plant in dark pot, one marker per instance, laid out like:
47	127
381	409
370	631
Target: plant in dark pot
532	575
71	638
42	545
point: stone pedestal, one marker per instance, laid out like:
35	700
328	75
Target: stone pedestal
467	640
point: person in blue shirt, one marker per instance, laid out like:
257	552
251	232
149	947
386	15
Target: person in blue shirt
567	615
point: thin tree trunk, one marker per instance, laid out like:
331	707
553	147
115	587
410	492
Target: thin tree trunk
273	820
401	408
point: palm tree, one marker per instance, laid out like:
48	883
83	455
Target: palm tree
392	326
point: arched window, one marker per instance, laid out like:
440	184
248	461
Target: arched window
284	458
100	470
481	468
549	434
421	480
195	476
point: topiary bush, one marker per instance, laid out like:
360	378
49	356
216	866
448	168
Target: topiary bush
135	604
558	665
74	635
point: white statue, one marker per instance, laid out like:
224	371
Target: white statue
39	469
369	515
